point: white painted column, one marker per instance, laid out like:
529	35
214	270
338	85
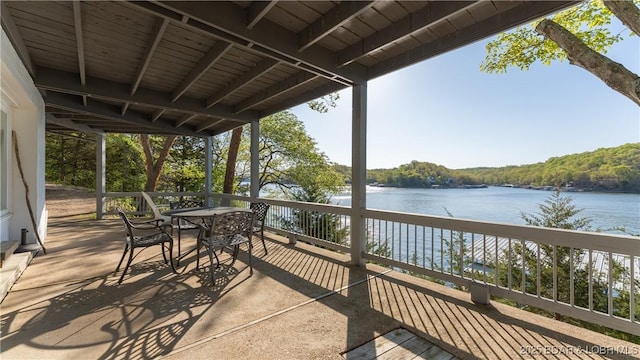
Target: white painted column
358	172
255	160
208	169
101	166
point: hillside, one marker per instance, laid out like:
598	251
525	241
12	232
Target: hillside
605	169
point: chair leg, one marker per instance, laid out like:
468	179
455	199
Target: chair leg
179	231
211	252
127	266
122	258
263	243
171	257
164	256
251	259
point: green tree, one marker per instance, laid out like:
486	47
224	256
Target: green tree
581	34
184	168
289	158
125	164
559	212
315	224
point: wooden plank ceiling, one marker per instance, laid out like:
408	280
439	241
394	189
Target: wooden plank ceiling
202	68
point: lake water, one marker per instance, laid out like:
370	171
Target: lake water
503	204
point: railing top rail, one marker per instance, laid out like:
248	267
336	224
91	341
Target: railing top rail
623	244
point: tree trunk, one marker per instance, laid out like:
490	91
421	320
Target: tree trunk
615	75
627	12
154	167
230	173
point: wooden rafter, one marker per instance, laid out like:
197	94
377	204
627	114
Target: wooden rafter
330	21
257	10
289	84
95	108
243	80
159	28
61	81
430	14
70	124
207	61
12	32
495	24
270	39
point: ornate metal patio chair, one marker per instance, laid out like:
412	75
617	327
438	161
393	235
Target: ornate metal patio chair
228	229
153	235
260	210
184	224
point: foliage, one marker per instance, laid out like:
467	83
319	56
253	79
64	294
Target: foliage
559	212
125	164
183	170
323	104
289	157
415	174
316	224
70	159
606	169
523	46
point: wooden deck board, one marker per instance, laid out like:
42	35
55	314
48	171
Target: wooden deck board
398	344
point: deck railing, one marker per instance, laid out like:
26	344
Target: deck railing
590	276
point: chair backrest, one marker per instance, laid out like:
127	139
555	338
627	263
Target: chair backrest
232	223
260	210
185	204
127	223
152	205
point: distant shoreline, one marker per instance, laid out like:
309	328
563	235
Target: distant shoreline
515	186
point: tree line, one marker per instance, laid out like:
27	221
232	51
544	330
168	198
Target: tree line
605	169
288	156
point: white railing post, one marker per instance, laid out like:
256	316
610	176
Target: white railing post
101	183
208	169
358	172
255	160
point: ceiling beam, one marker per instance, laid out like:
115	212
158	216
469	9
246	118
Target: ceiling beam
95	108
281	87
77	21
255	72
428	15
61	81
257	10
15	38
523	13
227	20
330	21
206	62
69	124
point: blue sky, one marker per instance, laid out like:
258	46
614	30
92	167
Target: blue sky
445	111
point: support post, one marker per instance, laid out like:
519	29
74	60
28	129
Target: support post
255	160
208	169
358	172
101	183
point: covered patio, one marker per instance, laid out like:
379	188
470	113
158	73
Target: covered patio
302	302
201	69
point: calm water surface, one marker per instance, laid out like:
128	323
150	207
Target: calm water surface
504	205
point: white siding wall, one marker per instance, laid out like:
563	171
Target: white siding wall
25	109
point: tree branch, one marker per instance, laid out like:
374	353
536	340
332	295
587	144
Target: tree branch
615	75
627	12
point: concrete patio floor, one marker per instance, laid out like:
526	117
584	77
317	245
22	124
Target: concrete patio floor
302	302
